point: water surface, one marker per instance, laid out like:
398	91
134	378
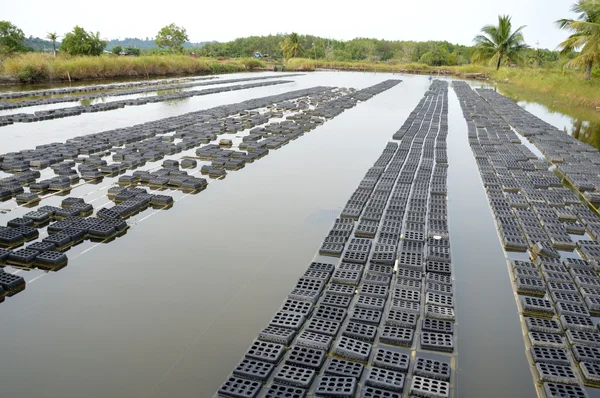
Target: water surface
170	308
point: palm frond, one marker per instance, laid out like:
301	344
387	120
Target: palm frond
495	43
585	33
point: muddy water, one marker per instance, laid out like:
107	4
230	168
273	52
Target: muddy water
171	307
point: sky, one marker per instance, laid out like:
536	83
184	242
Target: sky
456	21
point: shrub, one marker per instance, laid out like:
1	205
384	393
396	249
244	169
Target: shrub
132	51
251	63
31	74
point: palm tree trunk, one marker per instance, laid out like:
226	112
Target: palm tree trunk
588	70
54	48
499	62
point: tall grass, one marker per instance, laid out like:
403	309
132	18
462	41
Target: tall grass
566	87
44	67
558	86
304	64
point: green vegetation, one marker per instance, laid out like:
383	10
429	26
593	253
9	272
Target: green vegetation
118	50
551	86
11	39
585	34
359	49
291	46
132	51
171	37
80	42
437	56
540	71
35	67
586	121
497	43
147	44
35	44
559	86
52	36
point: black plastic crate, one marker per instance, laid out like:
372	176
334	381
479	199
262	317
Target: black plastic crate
432	368
12	284
336	386
295	376
265	351
389	359
236	387
23	257
276	334
385	378
306	357
284	391
254	369
341	367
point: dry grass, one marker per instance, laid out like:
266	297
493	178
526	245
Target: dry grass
304	64
557	86
564	87
44	67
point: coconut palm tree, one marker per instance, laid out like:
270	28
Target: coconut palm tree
585	35
291	46
52	36
497	43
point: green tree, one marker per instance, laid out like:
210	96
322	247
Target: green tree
80	42
498	43
328	50
437	56
11	39
132	51
52	36
292	46
585	35
171	37
117	50
455	58
341	55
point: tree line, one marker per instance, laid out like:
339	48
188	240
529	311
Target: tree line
173	39
433	53
495	45
170	38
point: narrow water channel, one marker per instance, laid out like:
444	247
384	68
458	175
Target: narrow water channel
491	360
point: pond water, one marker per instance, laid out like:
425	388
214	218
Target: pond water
170	308
581	123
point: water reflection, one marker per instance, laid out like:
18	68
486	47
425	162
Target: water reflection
581	123
586	131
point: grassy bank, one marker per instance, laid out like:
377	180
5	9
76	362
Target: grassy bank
585	124
552	86
303	64
36	67
558	86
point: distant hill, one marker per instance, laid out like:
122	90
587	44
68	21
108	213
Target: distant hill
142	44
41	45
147	43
